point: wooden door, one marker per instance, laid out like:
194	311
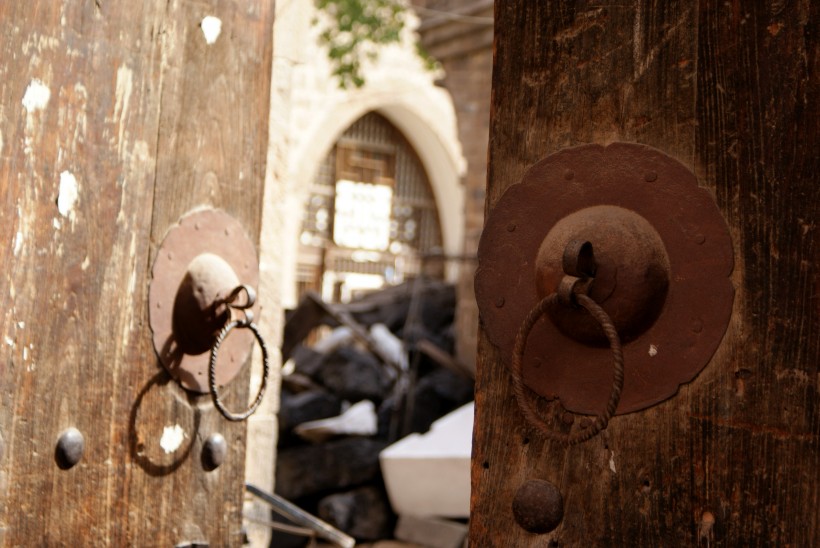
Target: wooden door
730	89
116	118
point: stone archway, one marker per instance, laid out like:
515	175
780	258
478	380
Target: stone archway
308	112
423	114
436	146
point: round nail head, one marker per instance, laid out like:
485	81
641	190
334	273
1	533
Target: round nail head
215	451
70	447
538	506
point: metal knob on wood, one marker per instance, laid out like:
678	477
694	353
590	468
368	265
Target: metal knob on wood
538	506
200	262
630	268
214	451
661	265
199	306
566	318
70	448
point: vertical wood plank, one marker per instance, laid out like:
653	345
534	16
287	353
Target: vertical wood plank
211	150
756	458
78	118
114	101
732	93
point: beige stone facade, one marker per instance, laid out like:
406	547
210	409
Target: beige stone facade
308	113
459	34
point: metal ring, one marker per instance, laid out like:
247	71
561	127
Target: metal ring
212	370
250	297
526	405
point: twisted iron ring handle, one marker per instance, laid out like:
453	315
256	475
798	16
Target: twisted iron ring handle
526	404
223	334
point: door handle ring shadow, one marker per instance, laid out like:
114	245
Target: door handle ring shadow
159	448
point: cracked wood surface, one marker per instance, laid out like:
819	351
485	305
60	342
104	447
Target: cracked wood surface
115	119
731	90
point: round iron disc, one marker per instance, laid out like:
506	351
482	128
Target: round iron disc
203	231
698	303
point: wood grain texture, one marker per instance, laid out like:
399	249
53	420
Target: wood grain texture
150	121
731	91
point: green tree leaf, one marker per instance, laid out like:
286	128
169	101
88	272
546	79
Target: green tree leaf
356	29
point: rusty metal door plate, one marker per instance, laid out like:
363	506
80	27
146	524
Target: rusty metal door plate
660	270
203	261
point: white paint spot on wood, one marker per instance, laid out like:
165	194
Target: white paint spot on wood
612	462
37	96
10	341
128	326
211	28
172	438
141	152
1	143
69	192
653	350
122	99
21	325
25	354
18	243
56	224
86	263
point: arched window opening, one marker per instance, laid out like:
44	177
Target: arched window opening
371	218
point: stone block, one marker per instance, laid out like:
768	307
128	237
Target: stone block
363	513
312	405
355	375
431	532
437	394
429	474
312	469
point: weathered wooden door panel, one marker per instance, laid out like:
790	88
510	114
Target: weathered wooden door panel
115	119
730	89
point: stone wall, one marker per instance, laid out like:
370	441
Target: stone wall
459	34
308	113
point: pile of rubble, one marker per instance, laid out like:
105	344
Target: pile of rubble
384	370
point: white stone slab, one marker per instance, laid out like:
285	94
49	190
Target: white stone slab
429	474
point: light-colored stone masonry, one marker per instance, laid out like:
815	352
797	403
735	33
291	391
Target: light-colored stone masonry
308	113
